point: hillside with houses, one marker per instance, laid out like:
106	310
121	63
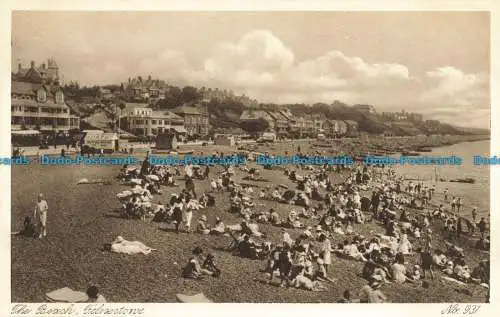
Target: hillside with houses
144	107
215	110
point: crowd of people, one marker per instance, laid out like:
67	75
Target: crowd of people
323	211
325	217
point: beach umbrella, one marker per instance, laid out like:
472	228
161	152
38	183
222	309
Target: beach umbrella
153	178
289	194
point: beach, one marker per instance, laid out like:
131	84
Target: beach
83	217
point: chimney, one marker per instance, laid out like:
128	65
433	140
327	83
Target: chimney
32	64
129	80
19	67
149	77
43	66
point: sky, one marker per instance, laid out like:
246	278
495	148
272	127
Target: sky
434	63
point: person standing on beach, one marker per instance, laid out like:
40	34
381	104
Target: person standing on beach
453	204
482	227
474	215
459	204
445	193
40	215
145	165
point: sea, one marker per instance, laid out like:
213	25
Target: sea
473	195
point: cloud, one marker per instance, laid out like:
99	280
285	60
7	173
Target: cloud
453	86
454	96
262	66
256	60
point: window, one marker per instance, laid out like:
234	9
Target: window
41	95
59	97
153	121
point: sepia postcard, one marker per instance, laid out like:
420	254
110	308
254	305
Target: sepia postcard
293	153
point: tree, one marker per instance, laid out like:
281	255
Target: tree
254	126
190	94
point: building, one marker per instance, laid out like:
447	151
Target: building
280	123
352	128
335	127
47	73
195	118
141	120
225	140
365	108
251	114
40	107
140	89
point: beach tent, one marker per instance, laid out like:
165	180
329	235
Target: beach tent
466	225
226	140
166	141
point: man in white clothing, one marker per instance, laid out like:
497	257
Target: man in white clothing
41	209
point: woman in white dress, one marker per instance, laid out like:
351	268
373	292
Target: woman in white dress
326	250
187	216
404	245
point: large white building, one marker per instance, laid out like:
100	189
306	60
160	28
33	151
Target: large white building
141	120
40	107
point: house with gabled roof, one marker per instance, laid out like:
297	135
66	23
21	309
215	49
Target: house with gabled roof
40	107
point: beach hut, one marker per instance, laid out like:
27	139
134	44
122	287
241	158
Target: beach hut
108	142
225	140
166	141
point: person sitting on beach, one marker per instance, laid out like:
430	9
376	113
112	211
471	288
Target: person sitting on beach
210	265
276	194
275	218
29	229
481	274
372	294
346	298
351	250
302	281
415	274
94	296
193	269
399	269
293	220
405	246
439	259
337	228
461	271
481	245
349	228
219	227
448	268
372	269
202	226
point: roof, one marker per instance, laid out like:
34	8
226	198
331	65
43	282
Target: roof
286	114
179	129
131	106
277	115
23	102
184	109
19	87
52	105
254	114
165	115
